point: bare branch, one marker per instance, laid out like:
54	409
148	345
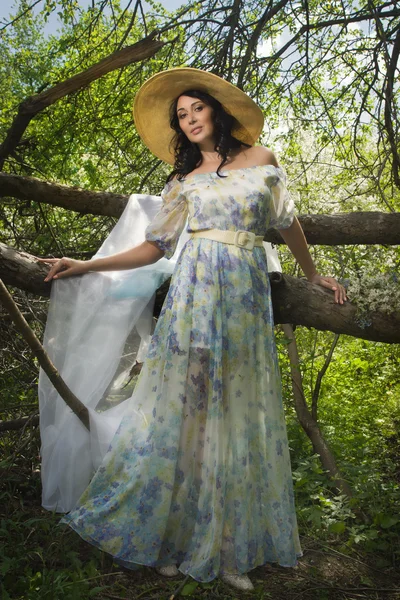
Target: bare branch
52	373
306	420
270	12
325	24
21	15
321	373
15	424
390	114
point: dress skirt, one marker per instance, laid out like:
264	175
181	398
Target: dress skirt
198	473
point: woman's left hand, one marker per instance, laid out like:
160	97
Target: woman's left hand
331	284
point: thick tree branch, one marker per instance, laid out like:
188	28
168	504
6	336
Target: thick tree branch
71	198
21	270
33	105
298	302
349	228
294	300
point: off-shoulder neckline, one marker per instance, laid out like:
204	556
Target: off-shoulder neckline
189	177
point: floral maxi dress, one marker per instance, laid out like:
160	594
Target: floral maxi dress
198	473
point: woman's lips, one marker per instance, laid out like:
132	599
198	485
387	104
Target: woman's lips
196	130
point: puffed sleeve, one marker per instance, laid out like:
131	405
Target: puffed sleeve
170	220
282	205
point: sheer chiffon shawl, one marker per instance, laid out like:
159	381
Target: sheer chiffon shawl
98	325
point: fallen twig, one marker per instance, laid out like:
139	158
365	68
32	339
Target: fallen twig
153	589
357	560
15	424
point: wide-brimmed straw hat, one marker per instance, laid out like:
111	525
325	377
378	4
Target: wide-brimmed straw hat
151	108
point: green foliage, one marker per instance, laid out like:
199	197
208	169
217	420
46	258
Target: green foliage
362	523
359	414
38	558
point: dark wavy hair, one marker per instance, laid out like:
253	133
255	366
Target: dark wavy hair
187	154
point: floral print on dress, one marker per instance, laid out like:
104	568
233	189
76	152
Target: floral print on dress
198	473
212	202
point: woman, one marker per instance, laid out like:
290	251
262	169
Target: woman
202	480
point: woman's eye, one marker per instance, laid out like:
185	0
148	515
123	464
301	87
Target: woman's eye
198	108
181	116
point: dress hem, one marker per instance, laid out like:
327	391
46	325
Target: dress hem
87	538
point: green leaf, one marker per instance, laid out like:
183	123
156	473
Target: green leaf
387	521
189	588
338	527
94	591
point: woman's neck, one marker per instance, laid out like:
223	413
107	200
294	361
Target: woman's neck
210	156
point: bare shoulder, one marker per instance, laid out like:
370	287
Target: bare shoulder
262	156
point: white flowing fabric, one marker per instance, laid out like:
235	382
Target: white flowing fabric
98	325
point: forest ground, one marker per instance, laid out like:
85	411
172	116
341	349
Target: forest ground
42	560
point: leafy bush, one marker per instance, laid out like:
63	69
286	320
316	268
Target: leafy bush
38	558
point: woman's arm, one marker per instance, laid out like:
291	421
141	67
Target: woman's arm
296	241
146	253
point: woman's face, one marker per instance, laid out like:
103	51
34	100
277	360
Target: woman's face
195	119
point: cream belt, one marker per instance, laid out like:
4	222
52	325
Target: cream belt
240	238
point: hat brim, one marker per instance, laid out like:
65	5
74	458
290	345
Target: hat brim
151	108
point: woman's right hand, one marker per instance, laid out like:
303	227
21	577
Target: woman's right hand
64	267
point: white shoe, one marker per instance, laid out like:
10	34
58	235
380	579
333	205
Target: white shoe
168	571
240	582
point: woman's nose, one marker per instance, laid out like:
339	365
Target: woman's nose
192	118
